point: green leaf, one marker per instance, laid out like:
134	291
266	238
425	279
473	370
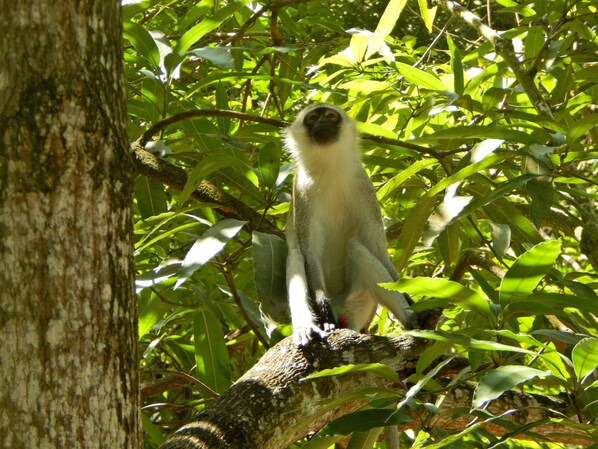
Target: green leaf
211	354
364	420
456	66
420	78
427	14
211	163
501	238
269	163
379	369
502	379
415	222
544	303
207	246
269	274
450	291
207	25
541	193
218	56
396	181
466	341
389	18
581	127
585	357
150	196
143	42
527	271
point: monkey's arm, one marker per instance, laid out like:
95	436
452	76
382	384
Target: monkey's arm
305	321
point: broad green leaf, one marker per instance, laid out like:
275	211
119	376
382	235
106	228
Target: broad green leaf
527	271
364	420
269	274
207	246
456	66
522	230
218	56
585	357
501	238
415	222
485	197
385	25
396	181
150	312
427	14
544	303
379	369
365	85
463	133
452	292
151	198
269	163
420	78
211	163
502	379
541	193
207	25
466	341
143	42
581	127
211	354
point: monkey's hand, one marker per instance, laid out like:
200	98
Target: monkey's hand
304	334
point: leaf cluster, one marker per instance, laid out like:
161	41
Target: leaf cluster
488	189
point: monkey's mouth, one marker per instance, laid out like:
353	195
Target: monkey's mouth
324	136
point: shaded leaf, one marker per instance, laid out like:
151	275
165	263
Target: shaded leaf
269	274
211	354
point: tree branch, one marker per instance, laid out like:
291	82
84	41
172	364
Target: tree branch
505	49
273	405
172	176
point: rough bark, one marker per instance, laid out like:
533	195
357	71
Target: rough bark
68	343
272	405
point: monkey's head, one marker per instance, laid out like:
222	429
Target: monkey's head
321	126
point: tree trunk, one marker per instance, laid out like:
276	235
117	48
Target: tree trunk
68	336
273	405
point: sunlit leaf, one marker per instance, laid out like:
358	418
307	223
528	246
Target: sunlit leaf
207	246
420	78
585	357
523	276
504	378
450	291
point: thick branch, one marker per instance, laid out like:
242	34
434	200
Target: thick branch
172	176
505	49
272	405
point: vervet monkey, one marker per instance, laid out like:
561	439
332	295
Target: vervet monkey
337	245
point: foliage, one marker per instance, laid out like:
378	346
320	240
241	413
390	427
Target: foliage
490	200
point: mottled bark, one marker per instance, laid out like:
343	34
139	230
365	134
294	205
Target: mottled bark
273	405
68	357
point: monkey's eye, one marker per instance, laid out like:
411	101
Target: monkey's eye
311	118
332	115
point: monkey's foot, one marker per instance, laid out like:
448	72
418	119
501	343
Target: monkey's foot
303	335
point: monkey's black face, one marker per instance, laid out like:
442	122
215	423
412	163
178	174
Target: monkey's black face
323	125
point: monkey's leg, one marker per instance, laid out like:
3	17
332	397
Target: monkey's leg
305	323
370	272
